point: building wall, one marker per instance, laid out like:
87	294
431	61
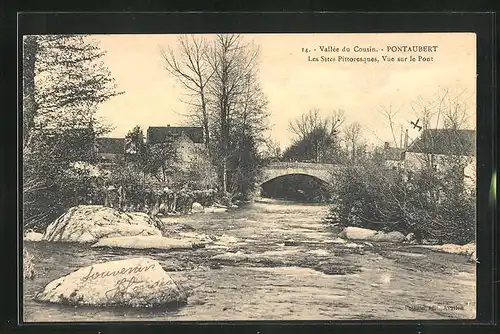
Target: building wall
187	151
470	174
415	161
394	164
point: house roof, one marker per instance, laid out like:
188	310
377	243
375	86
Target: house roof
445	141
159	134
110	145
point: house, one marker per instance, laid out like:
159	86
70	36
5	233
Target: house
394	156
187	140
110	150
437	147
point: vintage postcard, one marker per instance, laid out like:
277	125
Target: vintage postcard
249	177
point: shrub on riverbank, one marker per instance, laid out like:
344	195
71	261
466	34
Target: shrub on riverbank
50	188
431	204
28	266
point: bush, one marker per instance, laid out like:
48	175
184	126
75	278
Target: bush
28	266
432	204
56	191
54	177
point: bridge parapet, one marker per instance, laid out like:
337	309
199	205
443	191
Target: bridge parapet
300	165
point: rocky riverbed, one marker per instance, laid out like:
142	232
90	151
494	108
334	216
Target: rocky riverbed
272	261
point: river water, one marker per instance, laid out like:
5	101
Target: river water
274	261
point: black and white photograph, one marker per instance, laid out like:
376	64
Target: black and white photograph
270	176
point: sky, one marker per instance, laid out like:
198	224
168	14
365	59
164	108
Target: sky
294	85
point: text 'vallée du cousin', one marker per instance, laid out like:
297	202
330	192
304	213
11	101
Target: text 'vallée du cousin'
420	53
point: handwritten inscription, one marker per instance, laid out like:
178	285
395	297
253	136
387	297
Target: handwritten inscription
125	287
123	271
128	288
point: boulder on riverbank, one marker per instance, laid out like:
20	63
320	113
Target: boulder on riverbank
138	282
197	208
32	236
90	223
357	233
147	242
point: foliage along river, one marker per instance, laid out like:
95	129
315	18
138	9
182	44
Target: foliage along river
312	279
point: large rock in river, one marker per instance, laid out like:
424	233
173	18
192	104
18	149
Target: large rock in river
147	242
394	236
138	282
357	233
89	223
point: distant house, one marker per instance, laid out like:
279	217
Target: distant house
437	146
394	156
110	150
187	140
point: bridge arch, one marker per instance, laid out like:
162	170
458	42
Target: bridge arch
322	172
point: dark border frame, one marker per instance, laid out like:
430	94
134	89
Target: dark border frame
483	24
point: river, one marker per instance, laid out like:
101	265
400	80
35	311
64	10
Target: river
274	261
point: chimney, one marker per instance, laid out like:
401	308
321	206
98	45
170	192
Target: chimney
401	137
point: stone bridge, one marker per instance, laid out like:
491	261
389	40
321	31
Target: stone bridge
317	170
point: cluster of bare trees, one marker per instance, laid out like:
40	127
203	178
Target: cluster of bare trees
220	77
326	139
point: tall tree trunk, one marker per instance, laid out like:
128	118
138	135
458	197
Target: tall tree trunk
205	121
30	107
224	175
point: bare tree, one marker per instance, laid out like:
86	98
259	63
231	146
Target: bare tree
234	64
390	113
353	138
444	118
272	149
191	67
220	76
309	122
316	132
